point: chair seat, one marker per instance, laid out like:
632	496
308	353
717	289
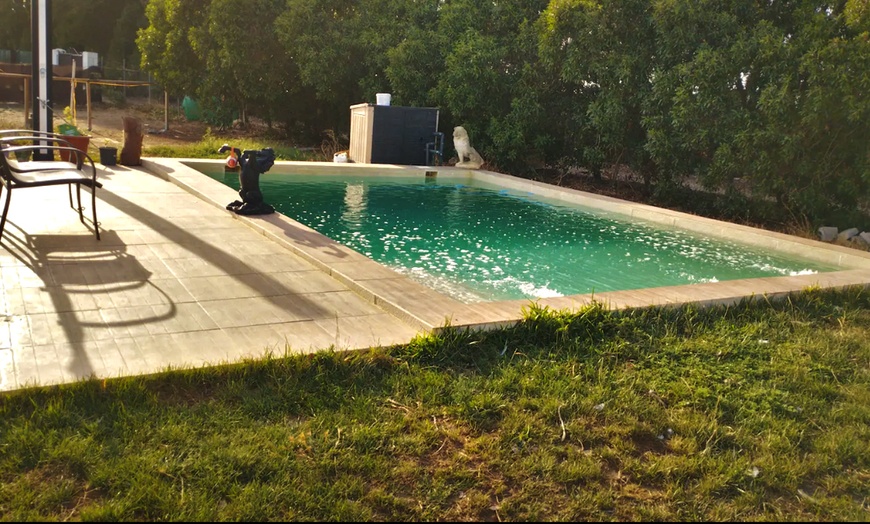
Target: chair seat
40	165
53	177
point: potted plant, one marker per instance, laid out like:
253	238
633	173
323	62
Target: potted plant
73	135
22	155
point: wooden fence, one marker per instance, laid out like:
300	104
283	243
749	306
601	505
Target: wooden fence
88	82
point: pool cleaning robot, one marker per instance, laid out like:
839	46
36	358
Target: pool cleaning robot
253	163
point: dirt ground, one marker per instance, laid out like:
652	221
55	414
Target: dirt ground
107	127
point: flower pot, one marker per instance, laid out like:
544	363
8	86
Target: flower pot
79	142
108	156
22	156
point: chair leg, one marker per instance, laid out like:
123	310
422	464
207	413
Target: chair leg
79	200
80	208
5	208
94	207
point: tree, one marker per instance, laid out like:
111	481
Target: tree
167	44
322	37
810	149
705	86
769	93
122	47
410	66
74	26
342	49
15	28
605	52
247	69
482	80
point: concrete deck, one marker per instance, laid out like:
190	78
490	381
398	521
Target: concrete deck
178	281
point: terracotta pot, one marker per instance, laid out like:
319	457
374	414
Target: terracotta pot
79	142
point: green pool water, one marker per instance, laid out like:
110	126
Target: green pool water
477	242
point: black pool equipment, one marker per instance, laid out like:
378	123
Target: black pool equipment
253	163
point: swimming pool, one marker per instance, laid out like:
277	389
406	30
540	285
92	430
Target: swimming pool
477	241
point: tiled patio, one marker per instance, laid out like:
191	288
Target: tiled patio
174	282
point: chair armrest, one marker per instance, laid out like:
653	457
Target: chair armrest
28	133
61	144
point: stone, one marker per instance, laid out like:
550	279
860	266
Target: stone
847	234
827	233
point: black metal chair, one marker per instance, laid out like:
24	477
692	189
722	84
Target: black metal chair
15	174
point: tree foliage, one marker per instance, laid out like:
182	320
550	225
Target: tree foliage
169	44
768	93
15	28
106	27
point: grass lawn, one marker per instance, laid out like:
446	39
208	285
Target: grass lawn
759	411
208	148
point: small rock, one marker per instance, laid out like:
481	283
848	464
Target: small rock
859	240
827	233
847	234
866	236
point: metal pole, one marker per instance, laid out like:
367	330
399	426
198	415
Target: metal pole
41	71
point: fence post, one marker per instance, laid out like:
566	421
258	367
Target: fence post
124	77
88	96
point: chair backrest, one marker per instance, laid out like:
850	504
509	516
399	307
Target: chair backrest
5	154
8	161
58	142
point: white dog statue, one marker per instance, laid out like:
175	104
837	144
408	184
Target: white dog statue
468	156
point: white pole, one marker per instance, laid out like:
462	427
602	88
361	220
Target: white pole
41	71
